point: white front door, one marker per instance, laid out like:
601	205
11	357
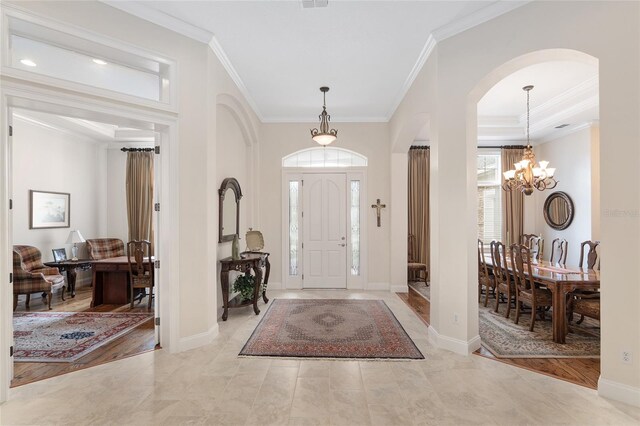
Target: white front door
324	220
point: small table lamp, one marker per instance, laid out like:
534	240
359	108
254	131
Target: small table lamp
75	237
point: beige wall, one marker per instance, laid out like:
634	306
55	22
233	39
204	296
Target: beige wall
470	63
571	155
368	139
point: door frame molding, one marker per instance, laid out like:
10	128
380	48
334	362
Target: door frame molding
24	94
290	174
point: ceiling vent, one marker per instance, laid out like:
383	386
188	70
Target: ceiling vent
306	4
562	126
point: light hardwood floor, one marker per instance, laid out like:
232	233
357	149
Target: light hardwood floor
581	371
139	340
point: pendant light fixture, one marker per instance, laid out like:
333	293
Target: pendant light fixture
324	136
528	175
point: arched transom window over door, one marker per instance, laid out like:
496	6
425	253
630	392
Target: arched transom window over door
324	157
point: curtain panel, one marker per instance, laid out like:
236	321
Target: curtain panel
139	185
512	201
419	204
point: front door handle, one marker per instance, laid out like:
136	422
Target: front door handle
342	245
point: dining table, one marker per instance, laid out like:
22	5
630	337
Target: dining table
560	279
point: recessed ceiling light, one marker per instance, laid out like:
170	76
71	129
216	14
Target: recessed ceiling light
99	61
28	62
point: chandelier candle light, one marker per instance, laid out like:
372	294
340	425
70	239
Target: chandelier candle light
528	175
324	136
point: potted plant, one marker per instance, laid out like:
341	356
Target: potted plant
244	284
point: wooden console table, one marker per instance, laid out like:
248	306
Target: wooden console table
248	261
71	266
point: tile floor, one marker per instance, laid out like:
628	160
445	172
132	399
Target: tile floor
211	385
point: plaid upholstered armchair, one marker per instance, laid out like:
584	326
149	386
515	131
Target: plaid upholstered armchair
104	248
31	276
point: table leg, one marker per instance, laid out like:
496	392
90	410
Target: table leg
256	292
71	276
267	270
559	316
224	280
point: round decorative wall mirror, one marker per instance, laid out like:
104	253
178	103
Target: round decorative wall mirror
558	210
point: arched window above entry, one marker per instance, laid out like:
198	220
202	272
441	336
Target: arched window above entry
324	157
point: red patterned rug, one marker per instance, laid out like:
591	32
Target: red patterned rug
67	336
330	328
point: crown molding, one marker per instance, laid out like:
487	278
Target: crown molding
228	66
476	18
587	90
158	17
279	120
449	30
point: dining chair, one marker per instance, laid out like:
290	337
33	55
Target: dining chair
535	243
485	279
559	251
504	284
416	270
592	257
139	253
527	292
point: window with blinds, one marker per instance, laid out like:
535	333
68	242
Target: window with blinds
489	197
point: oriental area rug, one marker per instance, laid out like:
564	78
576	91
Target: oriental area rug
506	339
330	328
67	336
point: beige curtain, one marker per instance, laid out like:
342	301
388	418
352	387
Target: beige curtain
419	203
140	196
512	201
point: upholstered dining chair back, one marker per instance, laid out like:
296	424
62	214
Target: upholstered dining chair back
105	248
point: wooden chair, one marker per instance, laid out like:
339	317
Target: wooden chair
592	254
535	244
485	279
416	271
504	284
527	292
586	302
139	275
559	251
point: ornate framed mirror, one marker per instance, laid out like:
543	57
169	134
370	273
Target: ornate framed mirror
229	205
558	210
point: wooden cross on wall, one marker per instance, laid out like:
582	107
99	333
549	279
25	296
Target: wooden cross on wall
378	207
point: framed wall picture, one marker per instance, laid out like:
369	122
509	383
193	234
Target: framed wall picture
49	209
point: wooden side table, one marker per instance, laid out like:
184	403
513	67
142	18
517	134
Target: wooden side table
248	261
71	267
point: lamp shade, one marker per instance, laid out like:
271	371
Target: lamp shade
75	237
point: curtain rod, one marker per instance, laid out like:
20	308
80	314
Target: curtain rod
502	146
136	149
418	147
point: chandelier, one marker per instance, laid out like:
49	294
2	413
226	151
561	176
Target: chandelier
324	136
528	175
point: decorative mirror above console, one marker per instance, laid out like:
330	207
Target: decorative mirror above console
558	210
230	195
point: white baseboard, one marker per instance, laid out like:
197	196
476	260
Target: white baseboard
457	346
619	392
377	286
197	340
399	288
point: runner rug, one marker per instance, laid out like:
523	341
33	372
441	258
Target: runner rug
330	328
506	339
67	336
